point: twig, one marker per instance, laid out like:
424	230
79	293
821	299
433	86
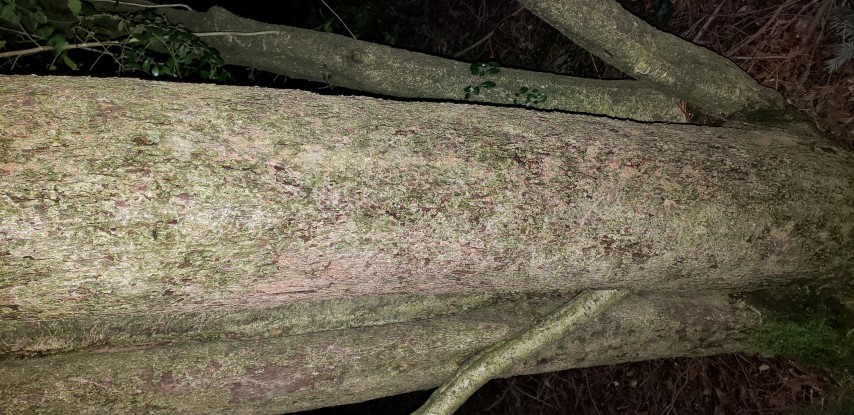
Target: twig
339	18
761	30
145	6
709	21
488	35
33	51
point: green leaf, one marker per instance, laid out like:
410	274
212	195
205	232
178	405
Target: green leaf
45	31
523	90
475	68
476	90
487	84
68	62
58	42
155	70
75	6
9	13
40	17
2	44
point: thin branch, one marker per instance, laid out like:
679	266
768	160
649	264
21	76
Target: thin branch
339	18
709	21
40	49
498	358
146	6
488	35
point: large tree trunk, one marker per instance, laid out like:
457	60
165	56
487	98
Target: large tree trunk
185	248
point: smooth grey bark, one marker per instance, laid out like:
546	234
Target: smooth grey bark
161	243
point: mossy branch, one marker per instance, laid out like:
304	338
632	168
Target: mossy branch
497	359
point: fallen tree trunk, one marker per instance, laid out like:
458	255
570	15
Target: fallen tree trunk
161	242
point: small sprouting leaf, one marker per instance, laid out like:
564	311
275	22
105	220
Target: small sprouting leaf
487	84
467	95
155	70
68	62
58	42
476	90
522	90
75	6
2	44
475	68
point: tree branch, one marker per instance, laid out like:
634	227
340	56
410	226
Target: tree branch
342	61
675	66
495	360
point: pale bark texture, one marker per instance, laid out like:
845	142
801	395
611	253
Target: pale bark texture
364	66
178	248
673	65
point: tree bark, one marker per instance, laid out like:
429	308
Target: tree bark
364	66
194	248
673	65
